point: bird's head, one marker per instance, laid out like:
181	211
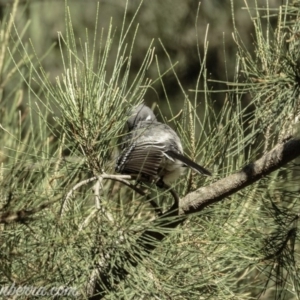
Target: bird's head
138	114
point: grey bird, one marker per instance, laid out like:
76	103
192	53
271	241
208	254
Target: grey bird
152	151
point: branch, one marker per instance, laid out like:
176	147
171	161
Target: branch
279	156
120	178
24	215
196	201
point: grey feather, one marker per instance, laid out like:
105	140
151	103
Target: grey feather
152	150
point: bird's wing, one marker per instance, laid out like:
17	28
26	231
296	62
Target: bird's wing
188	162
141	159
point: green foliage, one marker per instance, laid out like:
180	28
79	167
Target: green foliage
65	222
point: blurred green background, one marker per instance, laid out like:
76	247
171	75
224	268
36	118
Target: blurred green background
174	22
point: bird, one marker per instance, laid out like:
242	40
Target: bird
152	150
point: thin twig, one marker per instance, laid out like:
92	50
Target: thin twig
96	188
65	202
120	178
174	195
24	215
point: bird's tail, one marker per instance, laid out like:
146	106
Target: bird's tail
188	162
